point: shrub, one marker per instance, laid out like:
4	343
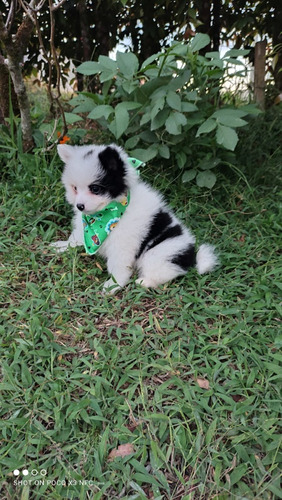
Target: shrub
169	107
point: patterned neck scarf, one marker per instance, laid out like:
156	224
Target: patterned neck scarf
99	225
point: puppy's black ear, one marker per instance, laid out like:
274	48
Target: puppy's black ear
111	160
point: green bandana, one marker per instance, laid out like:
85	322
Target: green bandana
136	163
98	226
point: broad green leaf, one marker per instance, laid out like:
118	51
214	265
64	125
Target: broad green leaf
174	123
127	63
121	119
89	68
232	122
229	112
158	93
212	55
189	175
158	106
208	163
200	41
235	61
251	109
112	126
188	107
97	98
164	151
236	53
145	118
159	120
206	179
173	100
130	85
178	49
149	136
84	106
191	96
179	81
146	90
130	105
181	159
144	155
107	63
107	74
206	127
132	142
72	117
226	137
215	63
150	60
104	110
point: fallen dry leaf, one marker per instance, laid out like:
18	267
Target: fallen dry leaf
203	383
121	451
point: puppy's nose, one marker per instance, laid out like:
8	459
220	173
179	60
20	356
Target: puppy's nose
80	206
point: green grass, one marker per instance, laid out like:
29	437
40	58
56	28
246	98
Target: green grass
83	373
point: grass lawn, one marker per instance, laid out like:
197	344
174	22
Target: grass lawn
186	376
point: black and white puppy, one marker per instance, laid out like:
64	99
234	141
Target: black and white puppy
148	237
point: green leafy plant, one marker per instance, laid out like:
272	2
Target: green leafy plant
169	107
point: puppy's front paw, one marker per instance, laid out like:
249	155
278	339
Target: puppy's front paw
111	287
60	246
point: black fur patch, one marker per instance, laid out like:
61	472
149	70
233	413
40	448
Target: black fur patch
113	178
185	259
160	230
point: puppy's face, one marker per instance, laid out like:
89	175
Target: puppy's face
93	175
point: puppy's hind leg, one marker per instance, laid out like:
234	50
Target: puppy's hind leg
156	269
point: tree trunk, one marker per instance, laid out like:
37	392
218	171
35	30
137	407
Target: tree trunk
205	18
216	25
7	92
15	47
277	45
20	90
150	43
85	48
259	90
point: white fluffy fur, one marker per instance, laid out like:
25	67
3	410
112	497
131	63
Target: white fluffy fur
120	248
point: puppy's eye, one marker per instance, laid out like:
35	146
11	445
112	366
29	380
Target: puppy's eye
95	189
74	189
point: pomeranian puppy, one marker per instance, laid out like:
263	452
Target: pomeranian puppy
124	220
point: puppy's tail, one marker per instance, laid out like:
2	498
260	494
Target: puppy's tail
206	259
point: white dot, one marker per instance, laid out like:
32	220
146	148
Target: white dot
16	472
25	472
